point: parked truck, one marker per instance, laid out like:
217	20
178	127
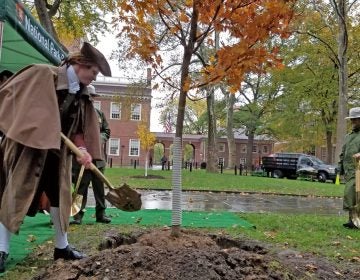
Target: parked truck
291	165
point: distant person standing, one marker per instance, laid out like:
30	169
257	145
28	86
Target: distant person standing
348	160
163	162
89	176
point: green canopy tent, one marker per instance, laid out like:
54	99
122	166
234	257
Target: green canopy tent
23	40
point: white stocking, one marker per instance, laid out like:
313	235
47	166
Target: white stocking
60	238
5	235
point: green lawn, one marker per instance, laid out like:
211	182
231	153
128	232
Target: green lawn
200	180
322	235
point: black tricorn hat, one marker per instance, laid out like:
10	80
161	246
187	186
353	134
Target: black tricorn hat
93	54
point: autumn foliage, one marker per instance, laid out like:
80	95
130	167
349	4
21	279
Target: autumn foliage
245	26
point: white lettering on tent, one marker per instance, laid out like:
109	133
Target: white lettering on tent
43	40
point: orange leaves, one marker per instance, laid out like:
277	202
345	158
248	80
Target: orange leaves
247	25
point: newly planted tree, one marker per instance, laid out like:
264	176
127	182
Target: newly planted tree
170	34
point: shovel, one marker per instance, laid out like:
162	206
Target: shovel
124	198
77	198
355	213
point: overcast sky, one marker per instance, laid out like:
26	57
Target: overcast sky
106	45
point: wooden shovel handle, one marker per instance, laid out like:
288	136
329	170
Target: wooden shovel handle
92	167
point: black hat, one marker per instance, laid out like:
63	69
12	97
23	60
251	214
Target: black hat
93	54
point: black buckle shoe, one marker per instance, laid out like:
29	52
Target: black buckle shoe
3	257
350	225
103	219
68	253
76	222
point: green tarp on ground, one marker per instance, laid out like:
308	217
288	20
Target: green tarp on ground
37	230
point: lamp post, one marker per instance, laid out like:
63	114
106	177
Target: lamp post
121	154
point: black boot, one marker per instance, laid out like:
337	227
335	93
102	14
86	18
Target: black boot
3	257
77	218
103	219
68	253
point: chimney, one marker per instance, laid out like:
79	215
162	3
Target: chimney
148	76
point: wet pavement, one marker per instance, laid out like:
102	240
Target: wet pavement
240	202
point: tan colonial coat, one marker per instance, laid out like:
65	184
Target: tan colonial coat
29	115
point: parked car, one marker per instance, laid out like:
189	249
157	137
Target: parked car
291	165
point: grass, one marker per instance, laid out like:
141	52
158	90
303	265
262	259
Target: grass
200	180
318	234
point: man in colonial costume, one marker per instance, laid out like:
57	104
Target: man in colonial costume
36	104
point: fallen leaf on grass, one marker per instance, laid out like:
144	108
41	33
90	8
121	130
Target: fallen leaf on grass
349	237
311	267
355	259
338	273
336	243
31	238
270	234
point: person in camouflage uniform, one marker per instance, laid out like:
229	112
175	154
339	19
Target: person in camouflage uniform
89	176
347	165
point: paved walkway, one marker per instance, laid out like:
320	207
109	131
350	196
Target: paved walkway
240	202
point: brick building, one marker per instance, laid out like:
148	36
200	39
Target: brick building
126	104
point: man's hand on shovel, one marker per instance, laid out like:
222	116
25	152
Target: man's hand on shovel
85	159
124	198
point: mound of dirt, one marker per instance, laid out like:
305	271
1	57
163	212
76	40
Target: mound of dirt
156	255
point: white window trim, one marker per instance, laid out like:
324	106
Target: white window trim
111	110
130	146
118	147
131	117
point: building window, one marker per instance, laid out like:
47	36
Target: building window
135	112
97	105
115	110
134	148
265	149
254	149
221	147
243	148
114	144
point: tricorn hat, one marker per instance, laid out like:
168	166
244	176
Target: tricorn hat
354	113
93	54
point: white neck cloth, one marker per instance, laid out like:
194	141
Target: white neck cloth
73	80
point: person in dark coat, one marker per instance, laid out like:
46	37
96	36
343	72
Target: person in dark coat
36	104
88	176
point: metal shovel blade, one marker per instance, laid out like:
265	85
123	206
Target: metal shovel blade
76	204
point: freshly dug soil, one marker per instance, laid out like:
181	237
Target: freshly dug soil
156	255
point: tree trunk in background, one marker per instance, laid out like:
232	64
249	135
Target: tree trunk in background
343	77
230	101
45	16
329	147
211	165
249	151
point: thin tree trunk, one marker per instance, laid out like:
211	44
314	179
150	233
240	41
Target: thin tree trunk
343	77
329	147
177	158
211	165
230	101
249	151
